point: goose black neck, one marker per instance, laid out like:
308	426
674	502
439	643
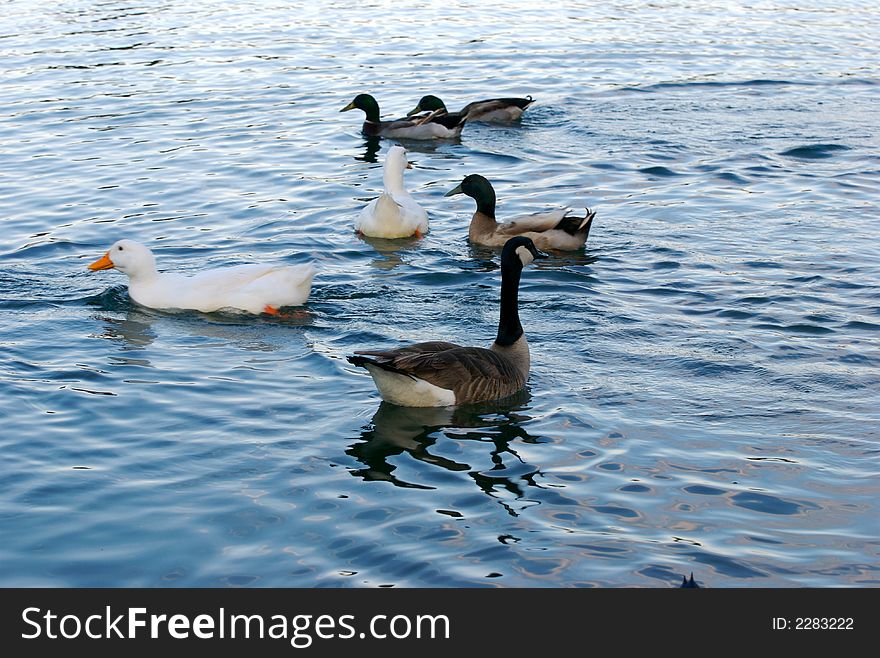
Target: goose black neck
509	328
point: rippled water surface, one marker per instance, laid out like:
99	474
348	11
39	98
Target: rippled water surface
704	388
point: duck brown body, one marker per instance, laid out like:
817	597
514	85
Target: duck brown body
555	230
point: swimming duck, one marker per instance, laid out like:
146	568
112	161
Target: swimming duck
502	110
551	230
436	125
441	374
394	214
252	288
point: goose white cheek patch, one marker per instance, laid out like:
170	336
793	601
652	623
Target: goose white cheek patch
524	255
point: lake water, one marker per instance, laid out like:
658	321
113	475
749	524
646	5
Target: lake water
704	388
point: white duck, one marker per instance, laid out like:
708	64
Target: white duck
394	214
252	288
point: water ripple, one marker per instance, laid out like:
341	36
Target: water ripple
705	367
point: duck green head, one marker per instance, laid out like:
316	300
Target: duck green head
366	103
427	104
480	190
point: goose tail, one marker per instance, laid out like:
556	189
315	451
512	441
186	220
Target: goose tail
361	361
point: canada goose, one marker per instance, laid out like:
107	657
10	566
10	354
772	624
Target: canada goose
394	214
252	288
440	374
551	230
502	110
436	125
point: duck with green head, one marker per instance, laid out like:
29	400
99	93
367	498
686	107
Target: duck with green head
554	230
494	110
436	125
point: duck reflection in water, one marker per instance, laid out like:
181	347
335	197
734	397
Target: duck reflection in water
371	149
137	329
389	252
436	147
396	430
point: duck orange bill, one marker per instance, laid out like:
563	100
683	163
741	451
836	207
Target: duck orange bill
103	263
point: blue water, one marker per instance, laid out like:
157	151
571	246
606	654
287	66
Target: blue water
704	388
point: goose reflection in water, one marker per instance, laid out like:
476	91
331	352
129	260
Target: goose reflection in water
396	430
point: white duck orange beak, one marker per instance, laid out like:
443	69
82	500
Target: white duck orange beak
103	263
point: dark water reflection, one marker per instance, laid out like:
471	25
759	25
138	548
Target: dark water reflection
395	431
372	145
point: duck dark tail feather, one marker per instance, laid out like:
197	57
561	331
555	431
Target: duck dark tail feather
575	225
587	224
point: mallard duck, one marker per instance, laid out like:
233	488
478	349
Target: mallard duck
394	214
502	110
436	125
440	374
551	230
252	288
